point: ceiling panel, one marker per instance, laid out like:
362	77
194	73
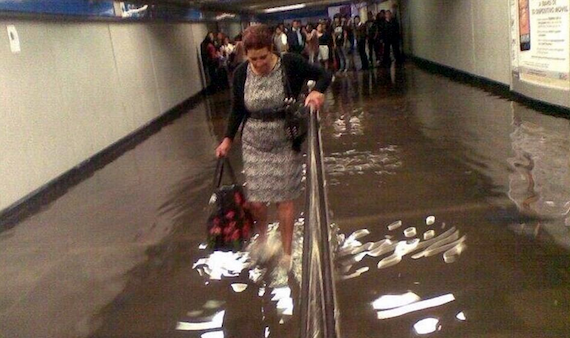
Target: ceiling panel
244	6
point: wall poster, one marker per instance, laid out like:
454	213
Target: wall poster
540	42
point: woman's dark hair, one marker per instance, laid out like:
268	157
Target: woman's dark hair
257	37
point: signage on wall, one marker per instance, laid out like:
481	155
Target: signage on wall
68	7
540	42
104	8
14	39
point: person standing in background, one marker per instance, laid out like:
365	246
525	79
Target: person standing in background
381	28
372	35
280	41
296	39
324	40
361	36
312	43
339	39
391	40
211	61
350	43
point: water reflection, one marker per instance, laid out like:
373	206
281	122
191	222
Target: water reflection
268	291
417	306
393	301
384	161
427	326
214	334
539	183
461	316
215	323
352	251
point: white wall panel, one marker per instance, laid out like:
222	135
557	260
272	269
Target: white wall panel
492	53
172	59
469	35
78	87
139	95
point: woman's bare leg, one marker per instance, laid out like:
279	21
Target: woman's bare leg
259	211
286	212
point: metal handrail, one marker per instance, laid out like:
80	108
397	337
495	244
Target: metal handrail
319	310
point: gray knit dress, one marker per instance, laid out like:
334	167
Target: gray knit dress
273	170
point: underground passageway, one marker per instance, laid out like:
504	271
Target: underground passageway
456	199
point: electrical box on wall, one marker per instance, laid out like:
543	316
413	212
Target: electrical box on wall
14	39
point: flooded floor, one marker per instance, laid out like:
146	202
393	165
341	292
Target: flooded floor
120	254
495	178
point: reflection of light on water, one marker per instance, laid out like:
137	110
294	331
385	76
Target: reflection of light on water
219	264
352	251
429	234
410	232
351	162
239	287
539	183
461	316
426	326
215	323
222	264
284	301
357	273
353	126
391	301
214	334
417	306
394	225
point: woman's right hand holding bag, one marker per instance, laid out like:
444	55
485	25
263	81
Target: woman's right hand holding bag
224	148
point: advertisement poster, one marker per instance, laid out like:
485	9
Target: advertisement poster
540	42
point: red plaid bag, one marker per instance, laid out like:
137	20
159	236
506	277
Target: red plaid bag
230	223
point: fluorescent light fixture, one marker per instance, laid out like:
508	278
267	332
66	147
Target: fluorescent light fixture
424	304
225	16
284	8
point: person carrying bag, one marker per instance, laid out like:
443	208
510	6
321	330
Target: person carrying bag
272	134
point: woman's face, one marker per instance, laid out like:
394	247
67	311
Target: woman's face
260	59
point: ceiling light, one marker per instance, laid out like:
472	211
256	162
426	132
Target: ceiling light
225	16
284	8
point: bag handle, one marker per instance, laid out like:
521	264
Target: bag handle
223	161
286	85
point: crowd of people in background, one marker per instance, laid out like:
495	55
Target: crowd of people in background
334	44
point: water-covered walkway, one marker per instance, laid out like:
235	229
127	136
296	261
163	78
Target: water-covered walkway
457	202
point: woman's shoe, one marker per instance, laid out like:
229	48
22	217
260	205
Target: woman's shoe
263	250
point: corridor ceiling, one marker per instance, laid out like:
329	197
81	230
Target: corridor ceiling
239	6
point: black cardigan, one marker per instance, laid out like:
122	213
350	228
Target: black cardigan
298	72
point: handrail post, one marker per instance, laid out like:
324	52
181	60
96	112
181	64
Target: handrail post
319	310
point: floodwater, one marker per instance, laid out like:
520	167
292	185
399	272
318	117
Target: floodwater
452	207
412	157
